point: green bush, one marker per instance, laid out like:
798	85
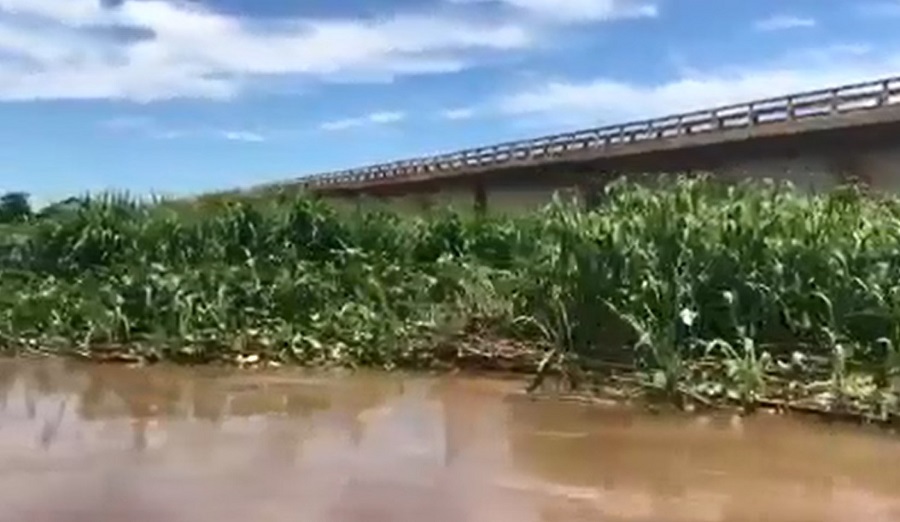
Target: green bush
653	277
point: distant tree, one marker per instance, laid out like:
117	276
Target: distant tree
14	207
60	208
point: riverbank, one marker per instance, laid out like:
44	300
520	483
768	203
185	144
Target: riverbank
690	292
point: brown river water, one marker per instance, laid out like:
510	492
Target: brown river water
107	443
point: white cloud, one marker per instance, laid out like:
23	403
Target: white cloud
128	123
169	134
462	113
375	118
607	100
75	12
245	136
152	128
782	22
58	49
569	11
386	117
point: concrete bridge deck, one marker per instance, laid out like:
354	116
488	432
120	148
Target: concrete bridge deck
851	130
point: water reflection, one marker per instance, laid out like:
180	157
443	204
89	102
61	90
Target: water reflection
82	442
694	468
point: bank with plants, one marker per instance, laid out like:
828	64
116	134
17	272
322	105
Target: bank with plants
691	291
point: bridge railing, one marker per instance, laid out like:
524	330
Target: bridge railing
813	104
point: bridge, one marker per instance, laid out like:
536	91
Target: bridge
816	139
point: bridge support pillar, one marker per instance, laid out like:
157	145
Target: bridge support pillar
425	202
590	192
847	169
480	195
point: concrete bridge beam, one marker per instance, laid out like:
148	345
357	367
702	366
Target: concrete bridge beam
815	139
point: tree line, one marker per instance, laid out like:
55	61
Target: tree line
15	207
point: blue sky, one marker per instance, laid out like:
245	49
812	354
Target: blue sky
180	97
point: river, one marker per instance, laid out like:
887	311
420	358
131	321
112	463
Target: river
92	443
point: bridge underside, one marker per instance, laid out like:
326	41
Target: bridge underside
814	159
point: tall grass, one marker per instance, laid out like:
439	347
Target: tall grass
670	280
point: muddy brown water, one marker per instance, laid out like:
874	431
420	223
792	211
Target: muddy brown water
105	443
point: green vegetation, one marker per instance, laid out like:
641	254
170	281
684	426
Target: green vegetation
14	208
693	291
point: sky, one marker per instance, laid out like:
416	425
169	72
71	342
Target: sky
178	97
